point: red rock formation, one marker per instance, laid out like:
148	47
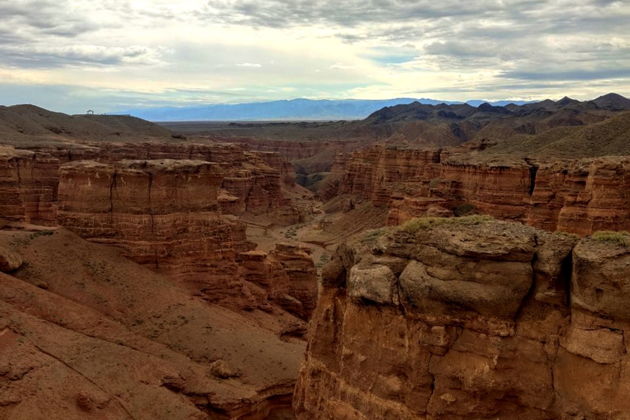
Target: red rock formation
87	333
464	319
252	182
580	196
286	276
164	214
28	186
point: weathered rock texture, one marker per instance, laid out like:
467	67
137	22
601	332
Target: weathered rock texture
286	276
249	182
579	196
88	334
28	186
463	319
165	214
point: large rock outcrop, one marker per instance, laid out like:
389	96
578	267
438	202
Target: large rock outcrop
256	183
28	186
469	318
579	196
165	214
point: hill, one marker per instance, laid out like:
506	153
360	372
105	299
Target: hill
21	123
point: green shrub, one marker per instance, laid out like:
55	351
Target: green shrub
621	238
41	233
419	223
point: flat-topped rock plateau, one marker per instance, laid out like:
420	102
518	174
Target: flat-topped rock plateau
470	318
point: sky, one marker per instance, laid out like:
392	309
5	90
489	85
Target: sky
108	55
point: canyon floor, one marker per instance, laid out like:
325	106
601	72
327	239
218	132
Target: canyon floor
429	262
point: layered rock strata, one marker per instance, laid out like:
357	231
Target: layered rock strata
165	214
469	319
251	182
579	196
28	186
286	276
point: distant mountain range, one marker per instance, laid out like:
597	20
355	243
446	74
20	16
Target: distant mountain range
288	110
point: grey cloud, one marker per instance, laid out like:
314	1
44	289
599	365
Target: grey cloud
52	56
562	75
45	17
516	37
52	33
344	13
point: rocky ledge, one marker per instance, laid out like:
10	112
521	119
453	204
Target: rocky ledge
467	318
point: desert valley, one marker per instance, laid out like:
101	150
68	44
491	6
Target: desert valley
430	261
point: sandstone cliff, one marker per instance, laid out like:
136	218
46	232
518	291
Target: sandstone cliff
579	196
165	214
470	319
250	182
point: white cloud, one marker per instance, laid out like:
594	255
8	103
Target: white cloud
268	49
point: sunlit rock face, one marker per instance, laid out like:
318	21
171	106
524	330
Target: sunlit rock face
469	319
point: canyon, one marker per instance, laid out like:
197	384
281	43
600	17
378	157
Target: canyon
579	196
428	262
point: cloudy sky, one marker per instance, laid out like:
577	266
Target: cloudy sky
107	55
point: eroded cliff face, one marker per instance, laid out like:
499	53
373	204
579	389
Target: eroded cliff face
256	183
165	214
579	196
28	186
469	319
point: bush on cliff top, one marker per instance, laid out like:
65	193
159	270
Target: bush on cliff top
618	238
419	223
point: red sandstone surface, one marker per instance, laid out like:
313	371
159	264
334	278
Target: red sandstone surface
580	196
461	319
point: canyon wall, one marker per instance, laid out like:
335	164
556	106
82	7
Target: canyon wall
469	319
579	196
251	182
88	334
175	211
28	186
165	214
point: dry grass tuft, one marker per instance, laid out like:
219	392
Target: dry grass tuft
621	238
419	223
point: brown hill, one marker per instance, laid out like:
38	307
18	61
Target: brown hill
608	137
21	123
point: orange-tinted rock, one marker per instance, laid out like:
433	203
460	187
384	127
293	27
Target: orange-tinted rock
28	186
108	338
581	196
253	182
163	213
467	321
286	277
